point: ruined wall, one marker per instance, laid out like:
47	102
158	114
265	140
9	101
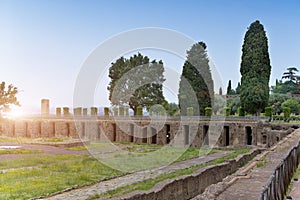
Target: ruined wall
279	181
189	186
174	131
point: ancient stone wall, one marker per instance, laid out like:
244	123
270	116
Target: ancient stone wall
189	186
279	181
174	131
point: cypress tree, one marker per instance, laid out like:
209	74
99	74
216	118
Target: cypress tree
196	88
255	70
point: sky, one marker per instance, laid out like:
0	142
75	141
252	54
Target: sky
44	44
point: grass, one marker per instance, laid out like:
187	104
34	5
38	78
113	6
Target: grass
261	163
34	175
53	173
150	183
22	140
19	151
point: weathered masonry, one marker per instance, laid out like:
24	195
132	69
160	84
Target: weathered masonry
174	131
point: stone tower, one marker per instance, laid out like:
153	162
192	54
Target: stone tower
45	107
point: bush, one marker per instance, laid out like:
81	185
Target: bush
268	112
241	111
227	111
208	111
286	114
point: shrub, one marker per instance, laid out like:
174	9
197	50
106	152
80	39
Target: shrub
268	112
227	111
241	111
208	111
286	114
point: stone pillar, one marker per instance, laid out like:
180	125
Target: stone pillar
45	107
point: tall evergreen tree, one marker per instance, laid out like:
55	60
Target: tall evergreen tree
238	88
255	70
136	82
230	91
196	88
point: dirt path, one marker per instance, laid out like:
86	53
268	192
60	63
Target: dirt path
104	186
46	150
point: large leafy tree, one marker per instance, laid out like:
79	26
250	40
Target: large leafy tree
255	70
290	74
292	85
276	100
196	84
8	96
136	82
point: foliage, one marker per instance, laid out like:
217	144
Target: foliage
233	104
208	111
173	109
276	100
238	88
230	91
255	70
8	96
290	74
241	111
227	111
136	82
196	88
268	112
287	114
293	104
285	87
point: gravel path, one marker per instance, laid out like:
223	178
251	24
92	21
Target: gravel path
104	186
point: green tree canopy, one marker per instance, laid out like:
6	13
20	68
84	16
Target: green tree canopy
255	70
196	84
136	82
292	85
293	104
8	96
276	100
290	74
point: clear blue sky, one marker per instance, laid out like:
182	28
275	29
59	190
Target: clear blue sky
44	43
